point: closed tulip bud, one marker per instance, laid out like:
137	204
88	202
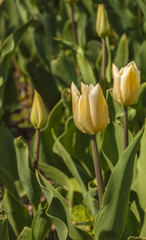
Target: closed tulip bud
38	116
90	110
102	23
126	84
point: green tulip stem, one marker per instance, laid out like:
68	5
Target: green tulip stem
73	25
37	145
125	128
103	65
98	172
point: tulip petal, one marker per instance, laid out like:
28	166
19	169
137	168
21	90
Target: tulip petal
85	120
116	86
98	109
130	81
76	106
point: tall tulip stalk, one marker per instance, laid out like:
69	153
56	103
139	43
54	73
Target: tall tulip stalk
38	119
126	90
90	114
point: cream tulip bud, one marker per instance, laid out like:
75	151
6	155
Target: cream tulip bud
90	110
102	23
126	84
38	116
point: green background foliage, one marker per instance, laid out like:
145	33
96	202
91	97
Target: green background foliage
38	51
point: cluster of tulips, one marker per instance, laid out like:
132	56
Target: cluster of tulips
90	109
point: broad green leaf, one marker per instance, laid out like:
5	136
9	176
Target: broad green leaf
129	21
140	179
59	212
143	230
77	144
63	69
7	153
25	234
67	44
93	50
57	176
7	180
27	177
113	142
111	218
85	68
47	87
9	45
122	53
115	109
40	225
91	199
67	33
4	225
88	5
132	226
141	58
142	4
59	149
18	215
44	38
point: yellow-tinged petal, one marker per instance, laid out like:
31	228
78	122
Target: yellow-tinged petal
117	84
85	120
98	109
90	110
38	116
130	82
75	106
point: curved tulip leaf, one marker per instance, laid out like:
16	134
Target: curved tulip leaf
15	210
27	177
143	230
25	234
141	173
59	149
142	4
4	225
77	144
85	68
91	200
59	212
64	70
7	180
40	225
9	45
7	152
141	58
111	218
58	176
132	226
113	149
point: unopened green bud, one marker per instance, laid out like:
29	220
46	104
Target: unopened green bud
102	23
38	116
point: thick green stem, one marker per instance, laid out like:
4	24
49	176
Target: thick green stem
103	65
125	128
37	145
98	173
